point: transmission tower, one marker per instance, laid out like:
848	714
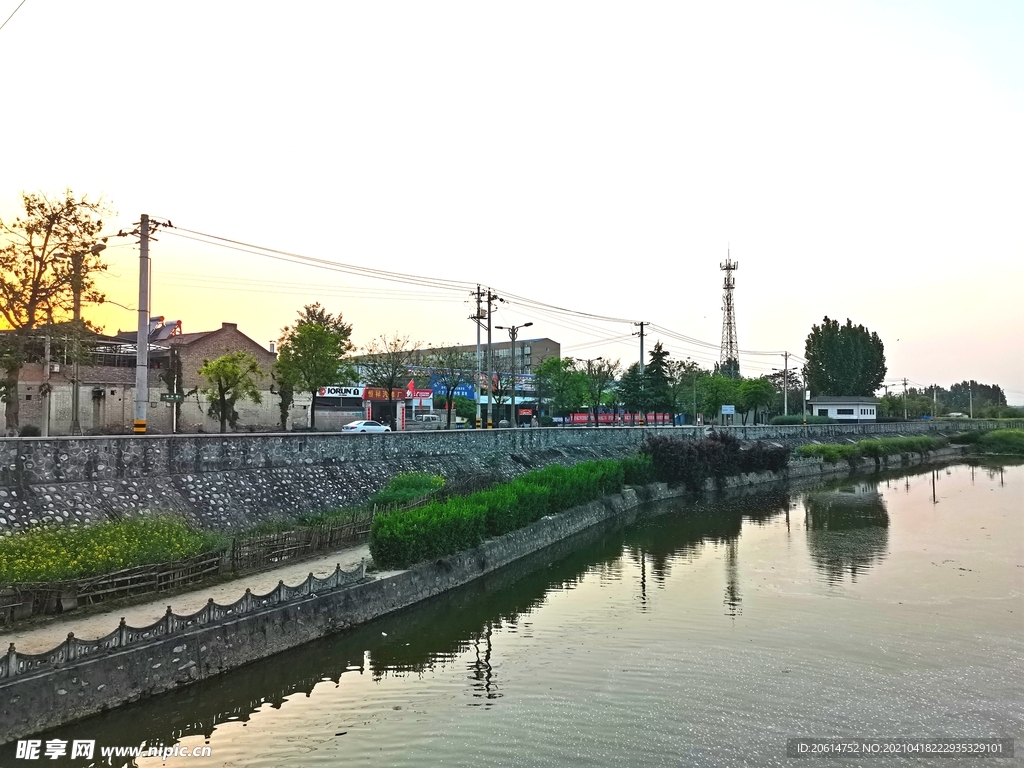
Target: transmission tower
730	360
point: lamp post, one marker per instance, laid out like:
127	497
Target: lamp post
513	334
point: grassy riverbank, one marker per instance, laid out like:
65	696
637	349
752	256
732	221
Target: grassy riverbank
74	553
833	453
400	539
66	554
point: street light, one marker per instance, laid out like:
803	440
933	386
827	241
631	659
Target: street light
513	334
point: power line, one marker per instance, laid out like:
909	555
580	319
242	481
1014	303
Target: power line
567	318
12	14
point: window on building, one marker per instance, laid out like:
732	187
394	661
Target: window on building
823	411
844	411
28	397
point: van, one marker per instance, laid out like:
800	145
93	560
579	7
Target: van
430	418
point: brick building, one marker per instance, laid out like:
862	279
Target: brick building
106	387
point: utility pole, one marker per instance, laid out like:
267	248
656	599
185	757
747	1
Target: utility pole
641	335
478	319
46	383
970	394
933	400
785	386
904	398
490	361
142	342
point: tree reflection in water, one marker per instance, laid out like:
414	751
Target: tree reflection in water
847	530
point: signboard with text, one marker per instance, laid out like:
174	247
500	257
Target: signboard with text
339	391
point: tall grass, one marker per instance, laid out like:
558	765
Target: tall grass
875	448
73	553
1009	441
441	528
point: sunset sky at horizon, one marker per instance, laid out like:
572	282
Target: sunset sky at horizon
859	160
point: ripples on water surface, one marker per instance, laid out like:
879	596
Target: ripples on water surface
706	635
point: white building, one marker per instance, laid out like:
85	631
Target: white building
855	409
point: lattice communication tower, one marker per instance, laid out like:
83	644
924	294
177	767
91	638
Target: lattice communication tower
730	359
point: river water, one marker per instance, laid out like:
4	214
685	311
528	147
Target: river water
702	634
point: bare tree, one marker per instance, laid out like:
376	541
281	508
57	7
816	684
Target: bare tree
47	266
451	367
385	364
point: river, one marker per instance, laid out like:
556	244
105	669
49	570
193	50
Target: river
702	634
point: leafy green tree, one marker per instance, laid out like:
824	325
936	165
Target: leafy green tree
754	394
656	380
682	385
230	378
464	408
562	382
632	392
284	387
845	360
48	261
600	375
451	368
385	364
312	353
716	391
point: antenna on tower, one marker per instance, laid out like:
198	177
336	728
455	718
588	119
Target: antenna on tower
729	363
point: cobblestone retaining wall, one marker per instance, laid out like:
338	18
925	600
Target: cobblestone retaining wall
228	482
67	690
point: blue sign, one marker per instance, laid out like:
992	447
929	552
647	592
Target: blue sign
728	410
465	389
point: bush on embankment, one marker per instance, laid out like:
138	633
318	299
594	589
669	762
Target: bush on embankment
399	539
1008	441
692	462
73	553
406	487
796	418
833	453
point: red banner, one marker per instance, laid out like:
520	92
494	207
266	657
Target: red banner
619	418
381	393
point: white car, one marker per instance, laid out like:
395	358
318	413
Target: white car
365	426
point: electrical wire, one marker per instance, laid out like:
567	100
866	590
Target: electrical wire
561	316
12	14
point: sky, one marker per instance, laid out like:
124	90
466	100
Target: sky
858	160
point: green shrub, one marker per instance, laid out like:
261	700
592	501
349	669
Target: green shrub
830	453
796	418
404	537
968	438
406	487
638	470
833	453
71	553
692	462
1009	441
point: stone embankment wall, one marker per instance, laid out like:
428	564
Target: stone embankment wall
65	688
230	482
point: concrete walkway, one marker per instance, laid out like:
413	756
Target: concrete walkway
39	637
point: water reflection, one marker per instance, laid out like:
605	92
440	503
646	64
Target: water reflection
464	633
681	540
847	530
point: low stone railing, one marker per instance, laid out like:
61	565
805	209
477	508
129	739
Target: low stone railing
72	649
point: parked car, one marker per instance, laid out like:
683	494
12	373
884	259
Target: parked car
365	426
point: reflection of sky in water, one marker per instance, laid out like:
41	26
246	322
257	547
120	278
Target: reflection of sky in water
706	635
847	529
